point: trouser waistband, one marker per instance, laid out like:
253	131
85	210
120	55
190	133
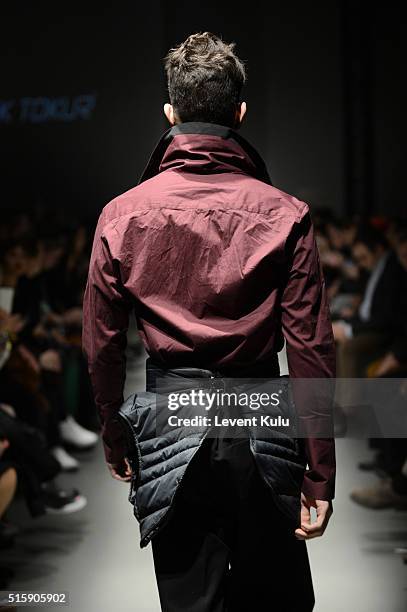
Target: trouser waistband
265	369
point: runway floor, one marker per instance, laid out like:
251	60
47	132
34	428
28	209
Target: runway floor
94	554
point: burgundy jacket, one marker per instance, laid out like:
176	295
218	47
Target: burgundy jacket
218	266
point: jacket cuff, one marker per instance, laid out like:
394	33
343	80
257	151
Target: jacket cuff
114	442
318	490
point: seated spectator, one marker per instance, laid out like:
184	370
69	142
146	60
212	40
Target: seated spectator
365	334
341	235
390	461
396	227
395	359
342	276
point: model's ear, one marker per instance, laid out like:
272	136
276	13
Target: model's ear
240	113
169	113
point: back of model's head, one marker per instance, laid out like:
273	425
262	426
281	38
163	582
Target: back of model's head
205	79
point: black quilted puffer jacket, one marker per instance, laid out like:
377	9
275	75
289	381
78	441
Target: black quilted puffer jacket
159	462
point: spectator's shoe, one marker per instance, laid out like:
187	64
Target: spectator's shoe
58	501
379	496
66	461
75	435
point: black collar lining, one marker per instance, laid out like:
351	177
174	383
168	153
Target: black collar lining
212	129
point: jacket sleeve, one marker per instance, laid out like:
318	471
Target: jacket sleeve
310	345
106	310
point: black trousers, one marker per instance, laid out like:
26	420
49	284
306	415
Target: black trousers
226	546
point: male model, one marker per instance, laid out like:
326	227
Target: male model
219	266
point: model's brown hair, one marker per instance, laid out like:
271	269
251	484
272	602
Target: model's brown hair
205	79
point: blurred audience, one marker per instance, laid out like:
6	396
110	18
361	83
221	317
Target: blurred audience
367	329
365	266
46	407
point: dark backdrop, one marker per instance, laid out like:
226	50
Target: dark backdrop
322	94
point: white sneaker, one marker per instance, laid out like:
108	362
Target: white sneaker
67	505
66	461
73	433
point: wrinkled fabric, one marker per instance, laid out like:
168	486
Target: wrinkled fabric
219	266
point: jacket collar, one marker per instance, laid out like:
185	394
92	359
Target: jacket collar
205	148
